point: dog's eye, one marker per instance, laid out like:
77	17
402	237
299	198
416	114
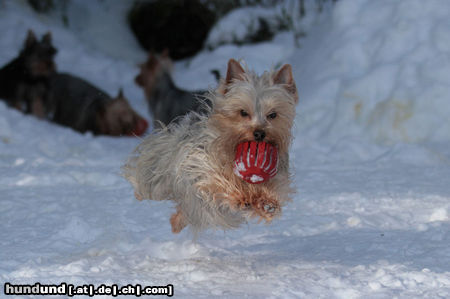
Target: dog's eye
244	113
272	115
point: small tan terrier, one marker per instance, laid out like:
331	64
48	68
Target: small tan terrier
193	162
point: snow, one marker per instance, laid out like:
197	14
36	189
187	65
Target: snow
371	164
238	25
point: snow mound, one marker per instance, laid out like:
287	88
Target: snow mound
379	69
240	25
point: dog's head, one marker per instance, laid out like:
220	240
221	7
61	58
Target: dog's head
117	118
152	70
38	56
247	107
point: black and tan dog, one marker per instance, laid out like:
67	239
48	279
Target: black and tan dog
24	81
166	101
30	84
75	103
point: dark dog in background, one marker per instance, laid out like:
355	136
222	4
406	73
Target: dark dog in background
76	103
30	84
24	81
166	101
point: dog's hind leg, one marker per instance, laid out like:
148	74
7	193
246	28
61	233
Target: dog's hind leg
138	197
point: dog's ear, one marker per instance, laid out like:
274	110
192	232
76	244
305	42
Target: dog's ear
164	60
120	94
234	71
285	78
138	80
150	58
31	39
47	38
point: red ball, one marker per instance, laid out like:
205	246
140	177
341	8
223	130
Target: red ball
256	162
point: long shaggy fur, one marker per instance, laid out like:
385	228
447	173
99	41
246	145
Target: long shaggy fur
191	162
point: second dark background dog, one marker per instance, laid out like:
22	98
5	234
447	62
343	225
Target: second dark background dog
166	101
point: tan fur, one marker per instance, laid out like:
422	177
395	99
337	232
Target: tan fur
117	118
191	162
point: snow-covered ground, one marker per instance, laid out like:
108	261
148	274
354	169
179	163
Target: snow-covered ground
371	158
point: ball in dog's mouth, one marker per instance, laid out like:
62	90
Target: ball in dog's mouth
256	162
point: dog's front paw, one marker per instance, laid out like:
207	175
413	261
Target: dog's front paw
238	201
269	208
266	207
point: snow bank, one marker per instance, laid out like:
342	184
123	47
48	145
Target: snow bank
379	68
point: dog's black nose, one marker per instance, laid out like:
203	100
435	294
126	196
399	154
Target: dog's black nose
259	135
